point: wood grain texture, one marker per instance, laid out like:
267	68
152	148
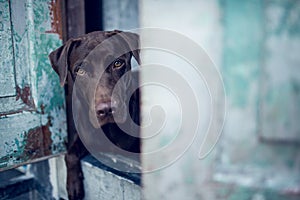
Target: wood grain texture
7	81
36	107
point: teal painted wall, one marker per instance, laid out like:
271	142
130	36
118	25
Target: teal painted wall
260	146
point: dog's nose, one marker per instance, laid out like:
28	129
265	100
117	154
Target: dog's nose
105	109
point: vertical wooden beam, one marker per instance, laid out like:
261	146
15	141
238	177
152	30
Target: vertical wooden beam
74	18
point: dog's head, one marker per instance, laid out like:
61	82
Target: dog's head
97	63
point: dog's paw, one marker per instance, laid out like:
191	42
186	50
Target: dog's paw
75	187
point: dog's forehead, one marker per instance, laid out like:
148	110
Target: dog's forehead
99	48
108	50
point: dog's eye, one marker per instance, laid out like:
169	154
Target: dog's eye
118	63
80	72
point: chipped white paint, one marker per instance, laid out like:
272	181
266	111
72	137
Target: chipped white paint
58	129
29	23
15	140
58	177
21	34
102	184
7	82
11	104
53	176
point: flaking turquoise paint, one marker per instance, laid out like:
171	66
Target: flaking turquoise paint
7	73
32	42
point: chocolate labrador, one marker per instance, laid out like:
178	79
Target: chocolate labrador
96	63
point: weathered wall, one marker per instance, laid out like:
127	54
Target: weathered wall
260	146
255	45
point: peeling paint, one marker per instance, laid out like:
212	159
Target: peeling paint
6	62
32	119
56	18
25	95
38	142
57	129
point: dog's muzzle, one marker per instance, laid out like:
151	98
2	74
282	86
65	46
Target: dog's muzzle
110	112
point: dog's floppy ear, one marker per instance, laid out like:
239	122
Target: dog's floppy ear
59	59
133	40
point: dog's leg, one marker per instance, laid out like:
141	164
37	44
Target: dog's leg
76	151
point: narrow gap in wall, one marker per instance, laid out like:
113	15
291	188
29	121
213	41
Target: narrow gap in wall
93	16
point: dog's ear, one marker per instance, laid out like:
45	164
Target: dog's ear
59	59
133	40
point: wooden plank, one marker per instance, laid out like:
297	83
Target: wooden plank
20	18
7	81
10	105
14	137
109	185
75	18
33	122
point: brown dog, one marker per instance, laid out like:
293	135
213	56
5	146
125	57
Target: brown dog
97	62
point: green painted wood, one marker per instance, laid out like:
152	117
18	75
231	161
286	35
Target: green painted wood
32	119
7	81
21	27
12	145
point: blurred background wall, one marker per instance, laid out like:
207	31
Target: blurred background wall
255	44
